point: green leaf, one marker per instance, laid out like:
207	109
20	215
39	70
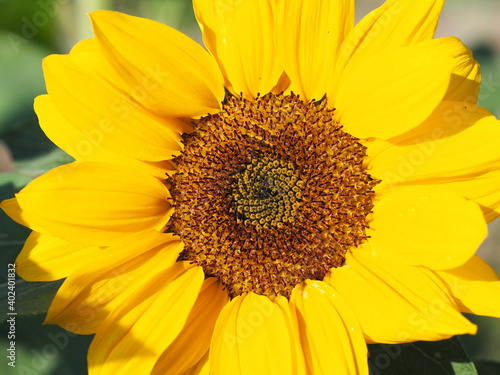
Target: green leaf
465	368
37	166
446	357
32	298
12	181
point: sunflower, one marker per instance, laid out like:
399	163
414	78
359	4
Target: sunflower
271	206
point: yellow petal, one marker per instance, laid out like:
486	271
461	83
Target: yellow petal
11	207
83	145
240	35
298	364
426	227
95	203
309	35
245	337
193	342
178	77
201	368
475	286
133	336
457	141
390	93
282	85
331	337
47	258
482	189
110	277
101	113
465	82
396	24
455	148
395	303
90	53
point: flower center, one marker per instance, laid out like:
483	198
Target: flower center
270	192
266	193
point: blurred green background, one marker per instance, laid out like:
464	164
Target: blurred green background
33	29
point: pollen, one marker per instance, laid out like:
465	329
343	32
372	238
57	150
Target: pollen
270	192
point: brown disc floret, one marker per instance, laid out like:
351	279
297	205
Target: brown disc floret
270	192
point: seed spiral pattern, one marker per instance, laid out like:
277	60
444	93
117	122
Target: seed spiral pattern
266	193
270	192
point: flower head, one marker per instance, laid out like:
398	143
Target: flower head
270	206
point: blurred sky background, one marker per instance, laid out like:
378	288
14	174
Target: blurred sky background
33	29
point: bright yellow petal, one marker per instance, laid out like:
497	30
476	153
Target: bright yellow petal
457	141
240	35
90	54
95	203
83	144
133	336
475	286
101	113
455	148
110	277
168	72
48	258
245	337
390	93
395	303
299	364
426	227
309	35
331	337
396	24
11	207
193	341
465	82
482	189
